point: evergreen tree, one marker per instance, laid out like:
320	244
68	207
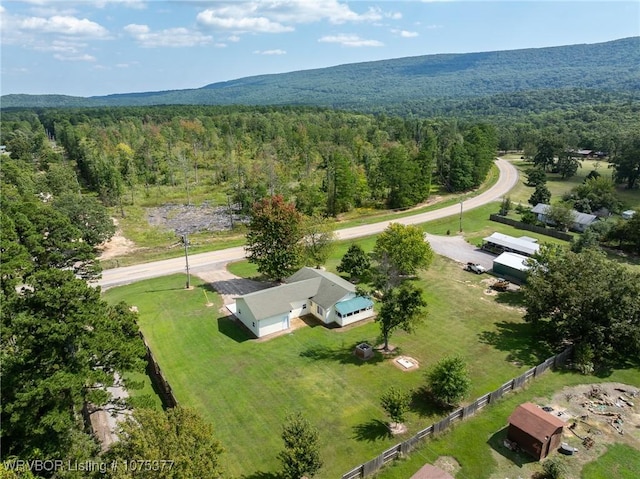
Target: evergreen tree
301	454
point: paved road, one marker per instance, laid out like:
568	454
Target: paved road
218	259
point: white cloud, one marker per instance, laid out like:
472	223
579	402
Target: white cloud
228	18
350	40
64	25
170	37
281	16
234	38
405	33
62	47
135	4
270	52
74	58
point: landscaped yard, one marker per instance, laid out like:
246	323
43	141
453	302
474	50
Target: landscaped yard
245	387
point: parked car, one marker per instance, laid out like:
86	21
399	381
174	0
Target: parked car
475	268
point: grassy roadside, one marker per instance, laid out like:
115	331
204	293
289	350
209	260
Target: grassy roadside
153	243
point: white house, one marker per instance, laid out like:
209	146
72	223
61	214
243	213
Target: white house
328	297
581	221
628	214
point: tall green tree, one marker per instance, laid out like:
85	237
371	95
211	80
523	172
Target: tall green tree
301	454
449	381
396	404
274	237
560	216
356	263
585	299
536	176
178	443
545	155
402	308
540	195
567	165
61	338
627	161
317	242
88	215
400	251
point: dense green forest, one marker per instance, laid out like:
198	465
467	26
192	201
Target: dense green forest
428	84
327	161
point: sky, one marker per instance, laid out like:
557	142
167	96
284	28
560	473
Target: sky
100	47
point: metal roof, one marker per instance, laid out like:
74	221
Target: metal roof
324	288
354	304
534	421
578	218
277	300
516	244
513	260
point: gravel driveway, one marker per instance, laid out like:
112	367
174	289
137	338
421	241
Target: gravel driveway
229	285
456	248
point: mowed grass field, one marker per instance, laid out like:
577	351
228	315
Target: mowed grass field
246	387
559	186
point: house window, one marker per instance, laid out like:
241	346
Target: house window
304	306
319	310
253	323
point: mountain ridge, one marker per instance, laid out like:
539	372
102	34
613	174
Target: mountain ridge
607	66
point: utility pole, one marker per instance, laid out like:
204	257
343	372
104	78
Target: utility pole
461	217
185	240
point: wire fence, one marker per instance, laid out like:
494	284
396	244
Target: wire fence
459	414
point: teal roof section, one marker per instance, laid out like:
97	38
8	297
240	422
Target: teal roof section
354	304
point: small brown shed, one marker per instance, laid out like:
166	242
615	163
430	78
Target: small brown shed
537	432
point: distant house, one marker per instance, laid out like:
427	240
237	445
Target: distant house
326	296
581	221
536	431
512	265
585	153
498	243
628	214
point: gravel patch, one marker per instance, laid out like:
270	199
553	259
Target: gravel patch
189	219
456	248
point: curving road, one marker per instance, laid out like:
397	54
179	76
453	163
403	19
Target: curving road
218	259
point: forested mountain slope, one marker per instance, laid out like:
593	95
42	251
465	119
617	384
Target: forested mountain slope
405	85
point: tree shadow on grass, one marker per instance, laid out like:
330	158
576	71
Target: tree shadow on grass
423	404
496	442
262	475
231	328
518	339
514	299
343	355
371	431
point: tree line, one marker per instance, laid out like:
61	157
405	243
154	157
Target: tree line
328	162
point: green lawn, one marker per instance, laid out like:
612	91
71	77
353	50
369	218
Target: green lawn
476	442
246	387
620	461
558	186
